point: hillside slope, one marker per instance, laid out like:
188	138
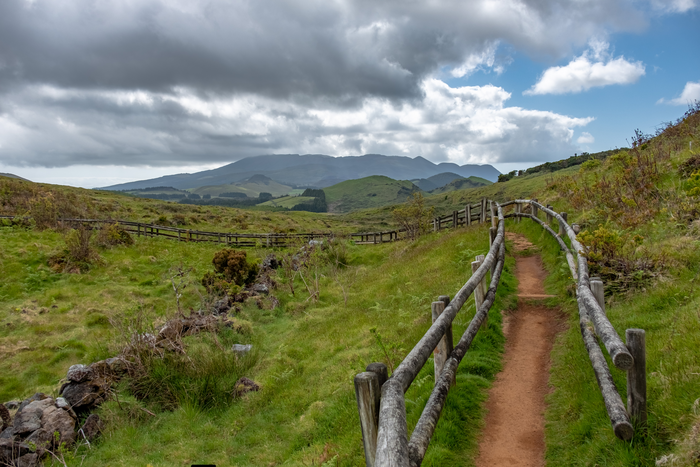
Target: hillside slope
367	192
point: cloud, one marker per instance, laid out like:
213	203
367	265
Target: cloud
595	68
471	124
690	94
585	138
674	6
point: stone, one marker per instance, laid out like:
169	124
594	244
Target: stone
91	428
5	416
8	433
12	405
41	438
79	373
243	386
242	349
28	460
11	450
270	262
58	420
36	397
62	403
117	365
100	369
221	306
29	419
84	396
260	288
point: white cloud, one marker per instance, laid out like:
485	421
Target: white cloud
478	60
594	68
470	124
674	6
690	94
585	138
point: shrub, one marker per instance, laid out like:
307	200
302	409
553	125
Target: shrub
233	266
112	235
413	216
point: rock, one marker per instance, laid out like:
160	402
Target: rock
244	385
260	288
29	419
8	433
84	396
62	403
242	349
36	397
117	366
221	306
79	373
28	460
91	428
100	369
11	450
41	438
315	242
270	262
5	416
12	405
58	420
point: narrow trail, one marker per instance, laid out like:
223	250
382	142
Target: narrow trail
514	431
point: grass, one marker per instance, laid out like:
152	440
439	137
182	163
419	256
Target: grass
368	192
306	353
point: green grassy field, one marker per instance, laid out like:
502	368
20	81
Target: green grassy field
367	192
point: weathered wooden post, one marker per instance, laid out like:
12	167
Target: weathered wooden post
445	346
479	293
494	217
533	209
483	211
455	219
518	210
549	216
562	230
468	214
637	376
368	387
576	228
598	291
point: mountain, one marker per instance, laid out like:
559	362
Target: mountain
12	176
252	187
436	181
368	192
315	170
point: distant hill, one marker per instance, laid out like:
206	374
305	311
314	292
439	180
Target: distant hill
12	176
436	181
314	170
462	183
368	192
251	187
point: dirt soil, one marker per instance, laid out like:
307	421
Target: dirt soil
514	430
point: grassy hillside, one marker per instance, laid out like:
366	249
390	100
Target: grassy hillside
288	201
251	188
460	184
367	192
306	351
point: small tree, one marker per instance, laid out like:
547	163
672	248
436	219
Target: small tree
413	216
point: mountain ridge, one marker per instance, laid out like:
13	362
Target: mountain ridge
314	170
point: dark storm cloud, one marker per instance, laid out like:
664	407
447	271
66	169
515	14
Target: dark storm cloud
156	82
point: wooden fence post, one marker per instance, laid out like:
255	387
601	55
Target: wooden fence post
435	225
455	219
468	214
494	217
518	210
479	293
367	392
549	216
441	352
562	231
483	211
637	376
449	338
598	291
533	209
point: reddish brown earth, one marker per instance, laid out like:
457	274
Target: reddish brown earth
514	430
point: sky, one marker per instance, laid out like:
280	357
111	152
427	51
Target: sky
99	92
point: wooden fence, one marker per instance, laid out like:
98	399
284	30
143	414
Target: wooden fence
475	213
380	399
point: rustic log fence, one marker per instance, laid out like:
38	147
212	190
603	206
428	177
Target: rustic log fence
381	400
382	406
594	326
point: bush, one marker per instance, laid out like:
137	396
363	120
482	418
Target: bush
112	235
413	216
232	272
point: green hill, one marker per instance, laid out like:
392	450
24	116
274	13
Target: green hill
251	187
462	183
367	192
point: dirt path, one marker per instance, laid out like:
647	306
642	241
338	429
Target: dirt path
514	431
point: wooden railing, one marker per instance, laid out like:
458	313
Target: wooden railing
380	399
